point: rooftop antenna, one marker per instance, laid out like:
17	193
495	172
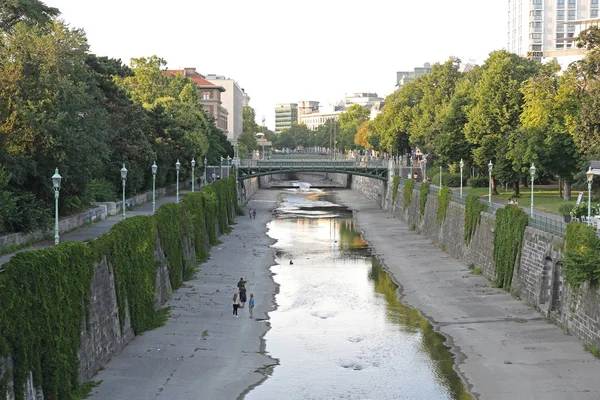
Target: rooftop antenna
263	123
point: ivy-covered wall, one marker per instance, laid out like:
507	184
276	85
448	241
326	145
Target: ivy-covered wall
67	309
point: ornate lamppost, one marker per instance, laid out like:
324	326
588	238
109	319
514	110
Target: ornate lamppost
177	166
221	167
590	178
461	164
123	179
205	166
154	169
490	167
56	178
532	173
193	166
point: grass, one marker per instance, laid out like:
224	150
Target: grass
476	271
593	350
544	199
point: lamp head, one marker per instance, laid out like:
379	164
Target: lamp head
461	164
193	163
56	178
123	172
590	175
154	168
177	165
490	166
532	170
205	161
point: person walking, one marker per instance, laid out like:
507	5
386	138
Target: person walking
241	283
236	304
250	213
251	304
254	213
243	297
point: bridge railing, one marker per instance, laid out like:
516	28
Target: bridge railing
269	163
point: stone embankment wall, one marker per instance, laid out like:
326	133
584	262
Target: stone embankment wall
248	188
538	277
102	211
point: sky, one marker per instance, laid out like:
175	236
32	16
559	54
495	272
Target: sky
283	51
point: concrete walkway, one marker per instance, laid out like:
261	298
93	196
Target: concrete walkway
504	348
96	229
203	351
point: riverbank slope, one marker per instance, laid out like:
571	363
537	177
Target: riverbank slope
203	352
504	348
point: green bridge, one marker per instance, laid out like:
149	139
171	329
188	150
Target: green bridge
376	169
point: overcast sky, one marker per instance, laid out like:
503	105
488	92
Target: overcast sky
284	51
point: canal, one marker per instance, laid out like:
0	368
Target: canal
339	331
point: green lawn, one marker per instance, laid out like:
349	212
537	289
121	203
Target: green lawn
543	199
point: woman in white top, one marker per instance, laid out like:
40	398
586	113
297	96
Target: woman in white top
236	303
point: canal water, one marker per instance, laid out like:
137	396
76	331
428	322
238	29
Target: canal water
339	331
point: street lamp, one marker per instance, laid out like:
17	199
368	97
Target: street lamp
177	166
205	164
56	178
461	164
154	169
222	167
532	173
590	178
123	179
440	176
193	166
490	167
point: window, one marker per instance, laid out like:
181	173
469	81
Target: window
536	47
560	44
537	15
572	3
571	15
570	28
205	96
537	4
560	4
560	35
560	28
560	15
594	14
594	4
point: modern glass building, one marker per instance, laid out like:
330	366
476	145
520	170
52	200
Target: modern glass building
286	114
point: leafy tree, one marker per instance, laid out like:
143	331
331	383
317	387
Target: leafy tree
361	138
30	12
349	121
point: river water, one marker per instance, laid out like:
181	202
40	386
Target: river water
339	331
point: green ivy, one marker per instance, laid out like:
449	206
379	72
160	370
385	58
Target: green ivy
45	294
408	190
424	192
443	203
511	222
395	189
473	209
582	256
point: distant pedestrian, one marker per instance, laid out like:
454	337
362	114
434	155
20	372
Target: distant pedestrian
511	201
236	304
241	283
251	304
254	213
408	176
250	213
516	203
243	297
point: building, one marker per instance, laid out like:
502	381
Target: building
363	99
306	107
211	95
403	77
233	101
547	29
246	99
286	114
316	119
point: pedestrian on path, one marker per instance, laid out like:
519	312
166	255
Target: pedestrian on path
241	283
254	213
251	304
236	304
250	213
243	297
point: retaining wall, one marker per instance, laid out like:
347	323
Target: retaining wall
538	278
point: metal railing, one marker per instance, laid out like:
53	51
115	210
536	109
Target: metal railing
373	163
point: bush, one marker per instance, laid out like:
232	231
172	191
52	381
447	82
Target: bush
478	181
581	261
448	179
22	212
565	209
100	190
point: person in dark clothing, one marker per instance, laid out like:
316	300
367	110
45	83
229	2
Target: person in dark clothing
241	283
242	297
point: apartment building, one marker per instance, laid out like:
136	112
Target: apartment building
233	101
211	95
547	29
286	114
403	77
316	119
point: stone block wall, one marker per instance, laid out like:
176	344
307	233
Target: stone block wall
372	189
539	278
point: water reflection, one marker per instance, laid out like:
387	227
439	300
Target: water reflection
339	330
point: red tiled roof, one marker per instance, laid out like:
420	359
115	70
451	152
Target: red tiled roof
194	76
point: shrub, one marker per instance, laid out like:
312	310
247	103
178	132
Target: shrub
508	237
448	179
478	181
443	202
395	189
100	190
408	189
473	209
582	256
424	191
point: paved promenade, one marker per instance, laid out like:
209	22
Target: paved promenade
203	352
96	229
505	349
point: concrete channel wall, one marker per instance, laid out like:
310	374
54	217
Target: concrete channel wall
539	278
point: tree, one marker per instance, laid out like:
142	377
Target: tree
349	121
29	12
361	138
247	140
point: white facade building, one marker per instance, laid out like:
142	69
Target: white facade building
233	101
547	29
314	120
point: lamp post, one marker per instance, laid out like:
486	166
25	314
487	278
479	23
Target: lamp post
590	178
440	176
193	166
205	165
490	167
56	178
123	179
461	164
177	166
154	169
228	165
221	167
532	173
